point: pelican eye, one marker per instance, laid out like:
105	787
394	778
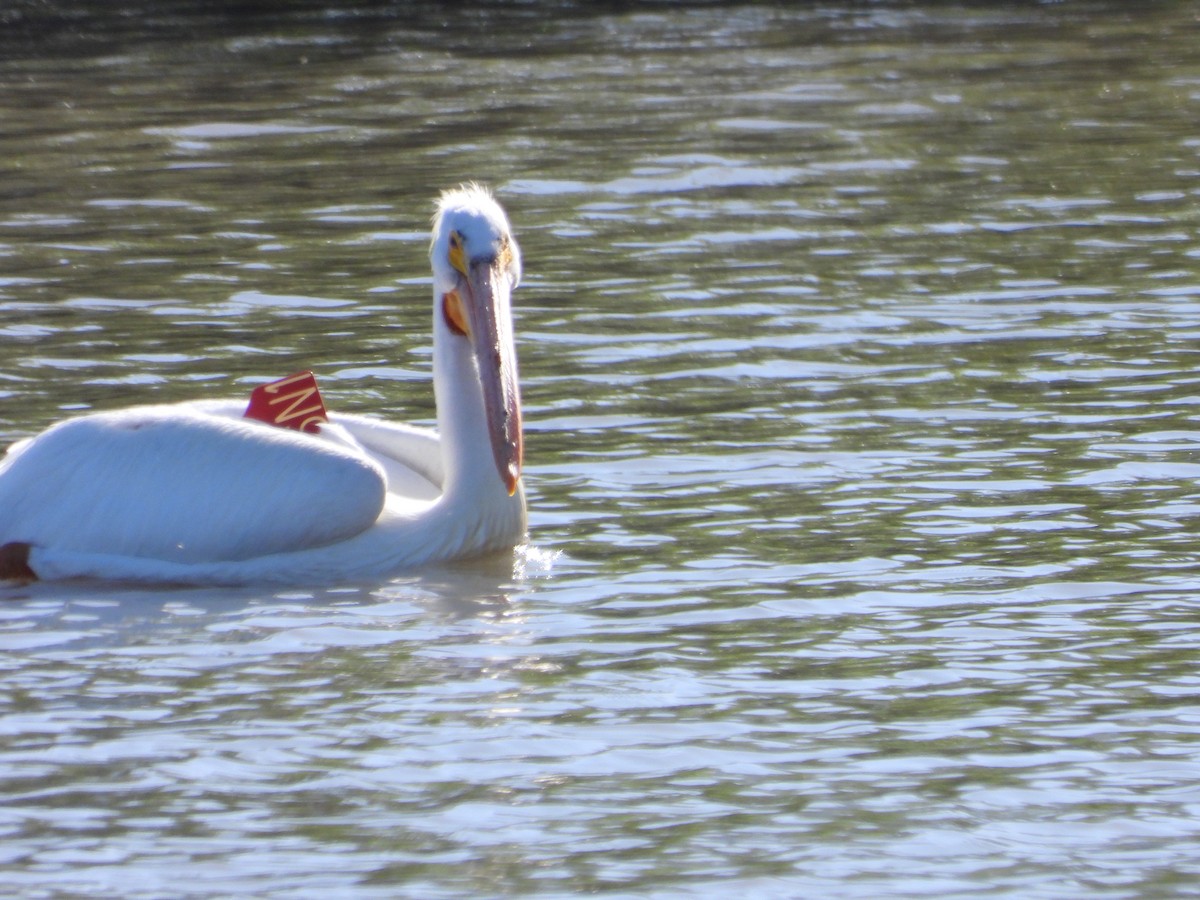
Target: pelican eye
506	254
457	255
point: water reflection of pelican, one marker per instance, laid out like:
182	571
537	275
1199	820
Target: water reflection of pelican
195	493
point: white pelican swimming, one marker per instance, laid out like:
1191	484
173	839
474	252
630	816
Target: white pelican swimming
194	493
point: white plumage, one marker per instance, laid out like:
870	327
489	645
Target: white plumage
194	493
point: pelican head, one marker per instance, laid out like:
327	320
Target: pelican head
476	264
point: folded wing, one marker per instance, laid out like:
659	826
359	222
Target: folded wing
177	483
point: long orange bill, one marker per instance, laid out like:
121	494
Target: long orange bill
489	293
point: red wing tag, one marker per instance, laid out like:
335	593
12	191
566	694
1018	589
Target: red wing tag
292	402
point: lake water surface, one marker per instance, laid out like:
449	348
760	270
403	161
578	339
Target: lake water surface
859	355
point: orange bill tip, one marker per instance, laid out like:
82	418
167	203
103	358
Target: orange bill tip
511	476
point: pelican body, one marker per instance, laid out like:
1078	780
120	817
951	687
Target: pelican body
193	493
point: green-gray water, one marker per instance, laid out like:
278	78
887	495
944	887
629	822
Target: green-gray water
859	354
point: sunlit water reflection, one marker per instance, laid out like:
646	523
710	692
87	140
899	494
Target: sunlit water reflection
858	358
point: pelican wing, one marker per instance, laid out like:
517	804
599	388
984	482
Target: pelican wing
182	484
412	455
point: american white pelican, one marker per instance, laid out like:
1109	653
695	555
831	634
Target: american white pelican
194	493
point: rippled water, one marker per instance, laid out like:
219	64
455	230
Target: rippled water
859	357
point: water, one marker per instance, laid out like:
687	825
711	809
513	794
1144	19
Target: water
858	352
